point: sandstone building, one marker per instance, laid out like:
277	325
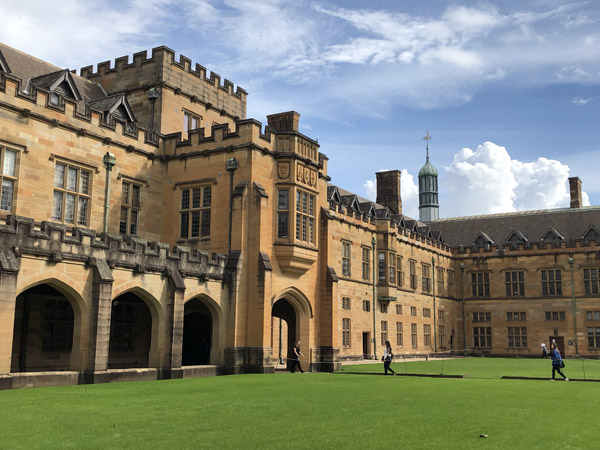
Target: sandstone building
150	230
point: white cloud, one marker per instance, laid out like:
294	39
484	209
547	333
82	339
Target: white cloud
408	189
580	101
488	180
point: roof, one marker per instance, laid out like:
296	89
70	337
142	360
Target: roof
531	226
27	67
428	169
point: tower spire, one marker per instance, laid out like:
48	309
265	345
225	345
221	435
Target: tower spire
427	138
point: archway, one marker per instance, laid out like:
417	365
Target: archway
43	330
284	331
130	332
199	337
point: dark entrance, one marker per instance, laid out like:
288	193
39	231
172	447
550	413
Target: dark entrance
130	332
366	338
43	331
560	343
196	339
285	311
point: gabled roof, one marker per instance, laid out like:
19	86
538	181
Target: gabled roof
591	233
332	194
367	208
515	238
351	202
482	240
116	105
553	236
567	223
61	82
3	64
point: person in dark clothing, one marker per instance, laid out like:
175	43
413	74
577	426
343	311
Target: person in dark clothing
544	351
556	362
387	358
296	358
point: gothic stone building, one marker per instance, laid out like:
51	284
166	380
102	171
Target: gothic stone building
149	230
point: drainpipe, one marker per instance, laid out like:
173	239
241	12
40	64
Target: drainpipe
574	305
231	166
152	96
434	310
374	242
462	286
109	160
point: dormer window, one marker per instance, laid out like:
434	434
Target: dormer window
54	99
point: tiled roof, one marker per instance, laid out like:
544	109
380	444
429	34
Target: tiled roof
27	67
570	223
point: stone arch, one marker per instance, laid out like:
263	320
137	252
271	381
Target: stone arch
202	305
158	327
57	312
293	307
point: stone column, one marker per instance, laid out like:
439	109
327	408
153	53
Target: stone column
175	310
9	271
100	314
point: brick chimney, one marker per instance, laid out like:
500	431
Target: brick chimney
388	190
287	121
575	188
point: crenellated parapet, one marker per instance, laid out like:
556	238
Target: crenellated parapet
163	55
20	236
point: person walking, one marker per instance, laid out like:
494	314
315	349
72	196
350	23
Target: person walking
387	358
296	358
557	362
544	351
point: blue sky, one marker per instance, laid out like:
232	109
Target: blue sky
508	90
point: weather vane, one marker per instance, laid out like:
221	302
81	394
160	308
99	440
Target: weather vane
427	138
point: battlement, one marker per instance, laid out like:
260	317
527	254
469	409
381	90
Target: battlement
20	235
163	55
587	246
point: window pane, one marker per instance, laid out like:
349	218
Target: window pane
184	225
205	225
82	211
134	223
84	182
59	176
72	179
125	194
58	206
70	209
7	195
206	200
135	196
283	200
195	223
123	221
185	199
9	163
196	197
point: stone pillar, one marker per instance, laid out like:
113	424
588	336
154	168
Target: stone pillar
100	314
175	310
9	271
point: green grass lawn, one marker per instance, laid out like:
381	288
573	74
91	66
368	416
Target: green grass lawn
307	411
588	369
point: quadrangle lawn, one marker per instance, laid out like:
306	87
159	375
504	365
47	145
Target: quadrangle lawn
307	411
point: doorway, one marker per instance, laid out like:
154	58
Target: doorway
366	338
560	343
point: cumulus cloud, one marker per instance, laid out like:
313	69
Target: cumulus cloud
489	180
409	191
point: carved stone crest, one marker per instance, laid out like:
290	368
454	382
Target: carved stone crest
307	175
284	170
300	173
313	178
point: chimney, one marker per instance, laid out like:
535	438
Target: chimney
575	188
287	121
388	190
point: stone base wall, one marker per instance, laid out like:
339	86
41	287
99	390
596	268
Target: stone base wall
325	359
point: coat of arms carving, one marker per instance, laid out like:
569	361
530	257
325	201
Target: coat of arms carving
300	175
284	170
313	178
